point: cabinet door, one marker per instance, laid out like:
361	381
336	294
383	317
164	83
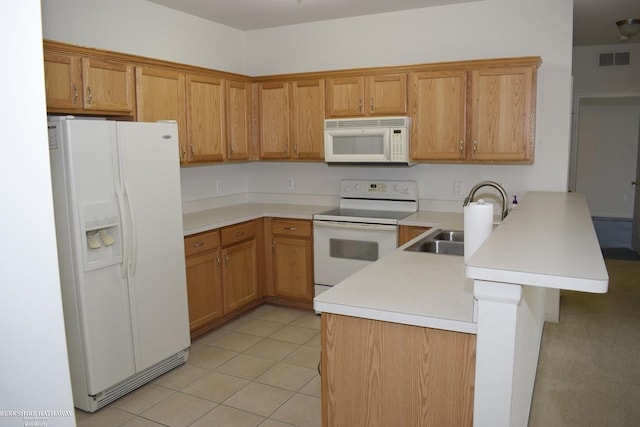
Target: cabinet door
205	119
274	120
161	96
63	81
238	119
409	232
239	275
204	288
438	100
386	94
345	97
292	268
503	114
107	85
308	119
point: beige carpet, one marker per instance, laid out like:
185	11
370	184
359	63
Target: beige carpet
589	366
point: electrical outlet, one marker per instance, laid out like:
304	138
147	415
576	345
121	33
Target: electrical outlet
458	188
218	186
291	183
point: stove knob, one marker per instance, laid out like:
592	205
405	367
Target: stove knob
346	189
357	187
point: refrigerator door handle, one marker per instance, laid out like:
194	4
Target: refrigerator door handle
125	234
134	242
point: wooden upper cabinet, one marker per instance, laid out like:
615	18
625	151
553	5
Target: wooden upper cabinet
107	85
373	95
63	81
307	119
438	119
273	101
386	94
80	84
205	119
161	95
503	114
345	97
238	99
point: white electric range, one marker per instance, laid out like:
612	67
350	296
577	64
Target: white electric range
361	230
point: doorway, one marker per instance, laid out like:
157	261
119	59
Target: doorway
604	163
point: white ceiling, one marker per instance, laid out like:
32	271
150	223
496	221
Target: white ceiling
594	20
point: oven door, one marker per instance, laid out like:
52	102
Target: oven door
342	248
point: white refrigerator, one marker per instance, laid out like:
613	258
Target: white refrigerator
118	212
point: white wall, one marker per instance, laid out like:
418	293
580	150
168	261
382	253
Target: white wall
34	372
607	154
589	77
493	29
143	28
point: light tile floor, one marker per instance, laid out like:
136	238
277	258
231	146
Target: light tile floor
258	370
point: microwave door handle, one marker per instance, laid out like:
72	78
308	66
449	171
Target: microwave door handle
354	225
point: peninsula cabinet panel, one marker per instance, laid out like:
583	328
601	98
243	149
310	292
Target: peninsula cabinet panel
409	232
438	106
238	98
205	119
161	95
307	119
503	114
387	374
273	104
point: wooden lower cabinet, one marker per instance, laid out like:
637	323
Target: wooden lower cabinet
292	259
204	279
378	373
408	232
222	267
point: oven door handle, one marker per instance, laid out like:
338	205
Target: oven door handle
354	225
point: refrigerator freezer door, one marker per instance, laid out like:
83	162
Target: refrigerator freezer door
97	319
149	165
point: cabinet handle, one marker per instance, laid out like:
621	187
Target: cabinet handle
359	104
89	95
461	147
193	151
475	148
371	104
226	259
75	94
231	149
217	262
198	244
273	245
290	228
295	149
184	152
240	234
286	148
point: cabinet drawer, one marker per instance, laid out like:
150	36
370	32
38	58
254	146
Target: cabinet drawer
238	233
201	242
291	227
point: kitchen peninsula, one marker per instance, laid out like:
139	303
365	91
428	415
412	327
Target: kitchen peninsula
422	350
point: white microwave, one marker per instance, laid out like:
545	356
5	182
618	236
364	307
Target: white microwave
381	140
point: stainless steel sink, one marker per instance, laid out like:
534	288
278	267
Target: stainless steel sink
451	236
446	242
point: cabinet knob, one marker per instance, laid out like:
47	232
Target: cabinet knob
290	228
198	244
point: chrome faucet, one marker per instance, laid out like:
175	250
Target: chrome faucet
493	184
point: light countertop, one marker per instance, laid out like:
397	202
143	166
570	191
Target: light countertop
547	241
413	288
210	219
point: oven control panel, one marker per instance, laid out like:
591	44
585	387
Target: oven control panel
380	189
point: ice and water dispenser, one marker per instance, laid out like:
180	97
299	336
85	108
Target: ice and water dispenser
102	232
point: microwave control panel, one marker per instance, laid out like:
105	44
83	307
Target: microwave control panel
397	145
